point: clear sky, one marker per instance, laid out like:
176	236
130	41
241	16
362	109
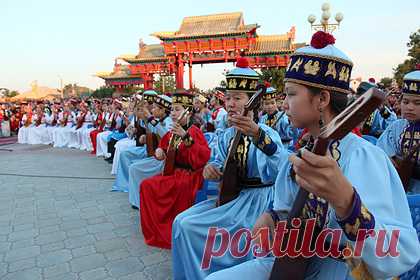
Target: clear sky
44	40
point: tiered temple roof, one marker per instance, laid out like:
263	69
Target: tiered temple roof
120	76
200	40
147	54
271	44
217	25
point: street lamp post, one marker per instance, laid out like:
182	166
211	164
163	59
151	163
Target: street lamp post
324	25
61	86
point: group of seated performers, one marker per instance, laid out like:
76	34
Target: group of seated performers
262	149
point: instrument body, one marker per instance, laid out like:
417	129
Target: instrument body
54	121
405	166
229	187
38	121
81	120
169	167
152	142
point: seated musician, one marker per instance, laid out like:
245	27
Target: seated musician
92	124
402	138
165	195
38	134
257	155
123	144
380	119
101	116
276	119
146	165
201	116
65	119
121	136
217	122
113	123
354	187
84	124
52	120
137	152
26	122
119	131
126	156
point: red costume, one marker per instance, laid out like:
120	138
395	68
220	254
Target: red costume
99	124
164	197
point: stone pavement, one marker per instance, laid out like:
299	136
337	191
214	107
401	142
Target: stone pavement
56	228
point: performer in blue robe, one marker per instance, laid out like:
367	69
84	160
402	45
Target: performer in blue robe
354	187
403	136
146	167
122	122
278	120
380	119
217	122
125	143
258	156
139	152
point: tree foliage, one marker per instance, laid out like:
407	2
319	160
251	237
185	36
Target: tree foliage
170	84
103	92
386	82
413	58
275	76
10	94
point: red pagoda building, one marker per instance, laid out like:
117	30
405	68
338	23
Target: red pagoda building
217	38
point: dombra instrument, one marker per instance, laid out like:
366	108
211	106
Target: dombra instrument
229	188
169	167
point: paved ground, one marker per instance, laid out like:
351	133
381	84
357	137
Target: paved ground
56	228
8	140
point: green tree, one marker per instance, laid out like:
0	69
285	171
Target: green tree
170	84
10	94
414	58
275	76
67	90
386	82
103	92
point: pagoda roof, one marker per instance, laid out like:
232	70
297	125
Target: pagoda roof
120	72
209	25
271	44
147	53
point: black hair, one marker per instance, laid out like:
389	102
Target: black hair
338	100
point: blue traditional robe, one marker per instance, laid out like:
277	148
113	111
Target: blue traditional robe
135	166
280	123
133	155
116	134
138	171
383	206
397	140
189	230
377	123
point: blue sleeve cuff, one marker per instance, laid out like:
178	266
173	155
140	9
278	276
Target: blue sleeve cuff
359	218
264	143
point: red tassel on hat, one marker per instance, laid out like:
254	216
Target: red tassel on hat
242	62
322	39
418	66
